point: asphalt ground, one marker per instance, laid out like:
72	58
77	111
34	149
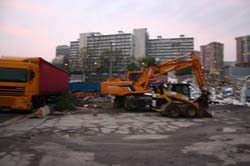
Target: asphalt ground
99	138
11	116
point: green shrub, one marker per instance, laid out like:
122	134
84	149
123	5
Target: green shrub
65	102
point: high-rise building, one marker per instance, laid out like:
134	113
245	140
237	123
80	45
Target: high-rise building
140	42
75	59
212	56
167	48
102	49
243	51
95	53
62	50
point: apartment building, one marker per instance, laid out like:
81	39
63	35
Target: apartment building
140	38
62	50
93	52
75	60
212	56
98	50
243	51
167	48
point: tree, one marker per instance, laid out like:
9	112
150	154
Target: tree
147	60
133	66
61	62
104	61
106	57
84	55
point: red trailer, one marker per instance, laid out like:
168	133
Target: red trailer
25	83
52	79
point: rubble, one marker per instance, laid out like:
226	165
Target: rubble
223	89
41	112
94	104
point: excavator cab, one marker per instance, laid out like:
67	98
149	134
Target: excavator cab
183	88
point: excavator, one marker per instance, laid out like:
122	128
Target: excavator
133	94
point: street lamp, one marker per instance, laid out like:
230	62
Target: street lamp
110	60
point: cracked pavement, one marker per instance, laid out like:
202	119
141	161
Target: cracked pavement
129	138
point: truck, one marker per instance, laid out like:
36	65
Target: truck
132	94
27	83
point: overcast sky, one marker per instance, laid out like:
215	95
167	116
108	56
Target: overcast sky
36	27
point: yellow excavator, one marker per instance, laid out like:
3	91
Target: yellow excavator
173	100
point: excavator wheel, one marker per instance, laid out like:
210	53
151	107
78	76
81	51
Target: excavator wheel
130	103
118	102
190	111
173	111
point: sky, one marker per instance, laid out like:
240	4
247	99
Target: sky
36	27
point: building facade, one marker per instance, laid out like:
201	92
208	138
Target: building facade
110	54
167	48
212	56
140	38
75	60
243	51
101	50
62	50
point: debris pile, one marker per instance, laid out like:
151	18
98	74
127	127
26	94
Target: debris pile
93	103
225	90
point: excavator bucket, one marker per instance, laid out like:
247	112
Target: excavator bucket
203	105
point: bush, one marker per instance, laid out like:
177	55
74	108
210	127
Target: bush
65	102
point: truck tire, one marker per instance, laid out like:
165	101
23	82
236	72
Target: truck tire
190	111
173	111
32	106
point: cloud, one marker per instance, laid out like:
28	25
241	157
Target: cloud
26	5
50	23
16	31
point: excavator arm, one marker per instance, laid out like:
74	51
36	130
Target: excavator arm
180	63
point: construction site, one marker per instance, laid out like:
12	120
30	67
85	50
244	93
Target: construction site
124	83
199	119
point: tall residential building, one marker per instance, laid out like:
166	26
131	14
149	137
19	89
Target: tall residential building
140	42
93	52
167	48
75	60
212	56
62	50
243	51
99	49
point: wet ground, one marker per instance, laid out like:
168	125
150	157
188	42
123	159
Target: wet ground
126	138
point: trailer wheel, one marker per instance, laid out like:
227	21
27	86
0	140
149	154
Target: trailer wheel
173	111
190	111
